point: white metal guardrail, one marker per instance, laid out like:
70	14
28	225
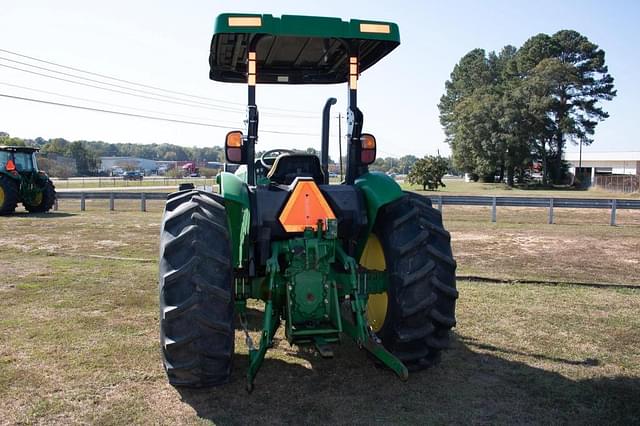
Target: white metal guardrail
438	201
546	202
118	182
111	196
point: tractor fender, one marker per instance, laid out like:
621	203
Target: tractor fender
10	175
378	189
238	209
234	189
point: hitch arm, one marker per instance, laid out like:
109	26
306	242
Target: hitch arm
270	325
358	328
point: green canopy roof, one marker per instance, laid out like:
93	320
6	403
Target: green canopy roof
296	49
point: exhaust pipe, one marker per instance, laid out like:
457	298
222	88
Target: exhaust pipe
324	152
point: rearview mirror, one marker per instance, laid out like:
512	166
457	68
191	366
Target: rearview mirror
234	148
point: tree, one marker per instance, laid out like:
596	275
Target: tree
501	111
378	165
569	71
6	139
56	167
86	161
474	111
428	172
56	146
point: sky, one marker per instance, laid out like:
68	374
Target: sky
165	44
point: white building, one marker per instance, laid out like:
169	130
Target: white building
603	163
109	164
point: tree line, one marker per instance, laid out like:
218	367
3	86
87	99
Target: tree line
503	111
58	153
85	155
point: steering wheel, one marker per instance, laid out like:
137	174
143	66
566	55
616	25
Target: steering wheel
271	156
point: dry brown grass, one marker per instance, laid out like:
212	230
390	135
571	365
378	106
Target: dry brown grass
579	247
78	334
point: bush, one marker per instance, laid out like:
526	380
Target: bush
428	172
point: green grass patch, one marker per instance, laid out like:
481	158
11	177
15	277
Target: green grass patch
460	187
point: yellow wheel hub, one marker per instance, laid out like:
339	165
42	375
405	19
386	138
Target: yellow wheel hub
37	199
373	258
2	196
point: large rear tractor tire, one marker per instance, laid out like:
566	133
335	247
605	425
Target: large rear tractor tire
196	297
8	196
44	201
414	316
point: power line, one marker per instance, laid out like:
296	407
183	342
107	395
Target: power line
112	78
195	123
109	84
97	102
137	84
187	103
112	90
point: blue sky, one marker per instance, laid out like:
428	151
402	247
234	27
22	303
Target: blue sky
165	44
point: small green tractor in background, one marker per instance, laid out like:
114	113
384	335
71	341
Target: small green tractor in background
362	258
22	182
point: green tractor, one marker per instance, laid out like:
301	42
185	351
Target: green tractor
361	258
22	182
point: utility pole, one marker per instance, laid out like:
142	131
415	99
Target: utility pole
580	160
340	143
579	177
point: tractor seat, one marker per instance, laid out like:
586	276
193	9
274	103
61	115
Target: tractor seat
287	167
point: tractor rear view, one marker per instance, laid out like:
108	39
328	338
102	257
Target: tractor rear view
22	182
362	258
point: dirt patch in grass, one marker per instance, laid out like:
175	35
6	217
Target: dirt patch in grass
516	247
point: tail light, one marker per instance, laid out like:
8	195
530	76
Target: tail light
234	148
368	149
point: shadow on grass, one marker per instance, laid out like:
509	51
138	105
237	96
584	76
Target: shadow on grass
469	386
489	280
473	343
48	215
566	188
254	319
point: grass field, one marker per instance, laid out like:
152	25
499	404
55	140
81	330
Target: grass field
460	187
454	187
548	330
118	183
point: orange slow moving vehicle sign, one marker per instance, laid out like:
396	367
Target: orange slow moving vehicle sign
305	207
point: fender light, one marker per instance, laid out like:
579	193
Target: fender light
368	149
234	149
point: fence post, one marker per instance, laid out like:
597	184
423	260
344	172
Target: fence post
82	206
550	211
112	202
143	202
493	210
613	213
440	203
